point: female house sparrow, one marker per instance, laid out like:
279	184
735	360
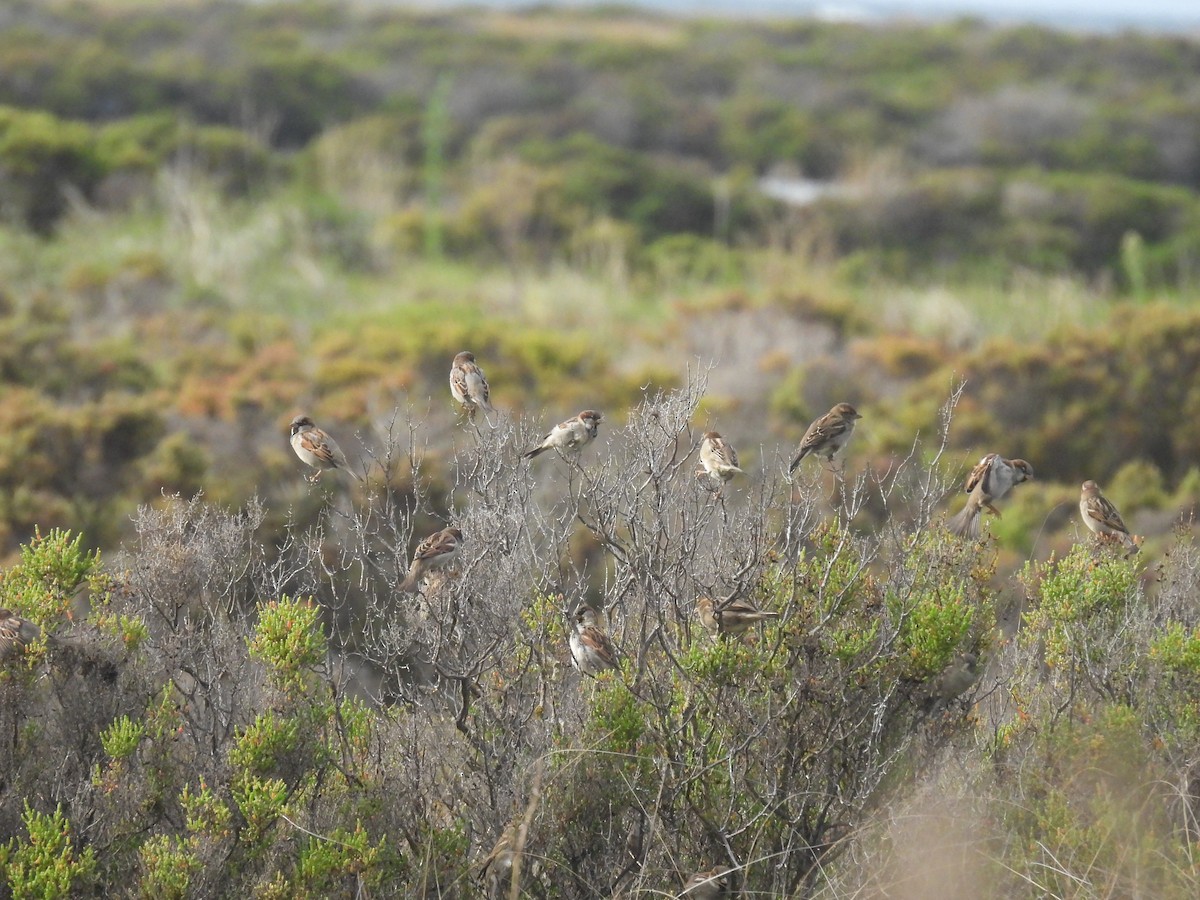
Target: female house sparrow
15	633
437	551
828	434
955	681
730	618
570	436
316	448
468	385
718	457
710	885
591	650
991	479
1102	518
500	861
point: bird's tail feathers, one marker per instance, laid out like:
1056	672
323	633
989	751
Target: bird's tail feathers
966	523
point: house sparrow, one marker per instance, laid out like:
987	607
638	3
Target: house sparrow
570	436
468	384
1102	518
828	434
991	479
730	618
710	885
437	551
500	861
316	448
15	633
718	457
955	681
591	650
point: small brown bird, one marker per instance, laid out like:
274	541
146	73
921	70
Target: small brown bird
1102	518
730	618
991	479
496	868
955	681
570	436
828	434
316	448
16	632
710	885
468	385
717	456
436	552
591	649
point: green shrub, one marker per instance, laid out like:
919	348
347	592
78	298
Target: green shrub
45	863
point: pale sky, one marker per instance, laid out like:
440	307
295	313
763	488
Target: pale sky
1182	16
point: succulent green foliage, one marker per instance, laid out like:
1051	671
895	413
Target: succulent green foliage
52	567
45	862
122	737
1081	601
168	866
290	640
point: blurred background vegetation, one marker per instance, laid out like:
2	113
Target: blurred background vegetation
216	215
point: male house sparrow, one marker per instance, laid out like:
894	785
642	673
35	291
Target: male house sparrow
991	479
730	618
1102	518
591	650
15	633
437	551
718	457
316	448
710	885
828	434
468	385
570	436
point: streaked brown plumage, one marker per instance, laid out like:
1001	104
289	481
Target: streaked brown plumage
991	479
439	550
591	649
828	434
570	436
316	448
468	384
710	885
16	632
718	457
732	617
1102	518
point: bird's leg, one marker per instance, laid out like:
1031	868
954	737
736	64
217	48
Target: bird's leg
995	512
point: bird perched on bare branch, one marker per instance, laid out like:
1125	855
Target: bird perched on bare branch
1102	518
316	448
468	384
731	617
718	458
570	436
710	885
16	632
438	551
591	649
991	479
828	434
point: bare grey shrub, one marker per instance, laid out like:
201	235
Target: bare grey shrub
764	753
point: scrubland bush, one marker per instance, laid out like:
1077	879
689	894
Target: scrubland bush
278	720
